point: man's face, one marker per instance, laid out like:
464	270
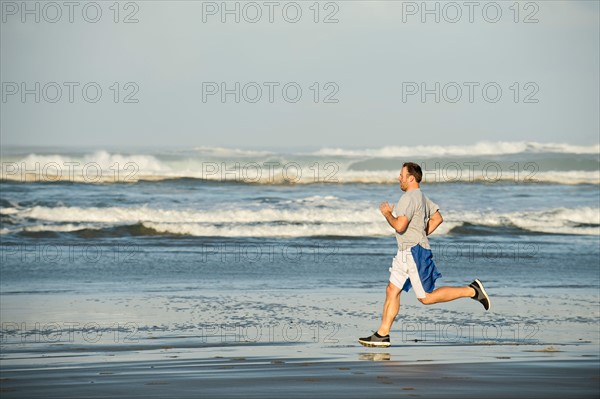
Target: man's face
403	179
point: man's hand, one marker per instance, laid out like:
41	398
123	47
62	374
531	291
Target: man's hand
399	223
386	208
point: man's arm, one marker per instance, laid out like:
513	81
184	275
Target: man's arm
434	221
400	223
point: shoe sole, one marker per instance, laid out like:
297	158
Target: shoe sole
374	344
480	284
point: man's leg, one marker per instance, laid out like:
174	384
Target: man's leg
390	309
446	294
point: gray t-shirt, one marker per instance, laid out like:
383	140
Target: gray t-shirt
418	209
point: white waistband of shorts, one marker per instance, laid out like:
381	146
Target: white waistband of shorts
405	250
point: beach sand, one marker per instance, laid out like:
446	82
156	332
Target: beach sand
286	344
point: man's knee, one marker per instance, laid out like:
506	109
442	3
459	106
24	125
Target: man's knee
392	290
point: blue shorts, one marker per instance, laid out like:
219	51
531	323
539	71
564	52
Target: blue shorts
414	268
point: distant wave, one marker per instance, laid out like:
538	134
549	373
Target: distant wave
229	152
478	163
478	149
351	220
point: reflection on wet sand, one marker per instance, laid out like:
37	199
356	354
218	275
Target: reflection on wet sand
374	357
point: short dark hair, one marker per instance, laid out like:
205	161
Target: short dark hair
414	169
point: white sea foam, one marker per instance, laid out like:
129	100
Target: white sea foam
553	221
8	211
358	219
61	227
290	230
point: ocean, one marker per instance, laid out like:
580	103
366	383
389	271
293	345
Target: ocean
175	239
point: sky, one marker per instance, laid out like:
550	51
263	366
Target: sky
347	74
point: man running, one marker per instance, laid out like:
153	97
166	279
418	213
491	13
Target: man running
416	217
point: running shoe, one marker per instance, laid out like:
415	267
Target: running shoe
375	340
480	295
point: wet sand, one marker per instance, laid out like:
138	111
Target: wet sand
276	344
185	368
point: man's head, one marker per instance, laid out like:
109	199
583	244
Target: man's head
410	176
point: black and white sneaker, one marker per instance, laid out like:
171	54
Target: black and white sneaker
480	295
376	340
